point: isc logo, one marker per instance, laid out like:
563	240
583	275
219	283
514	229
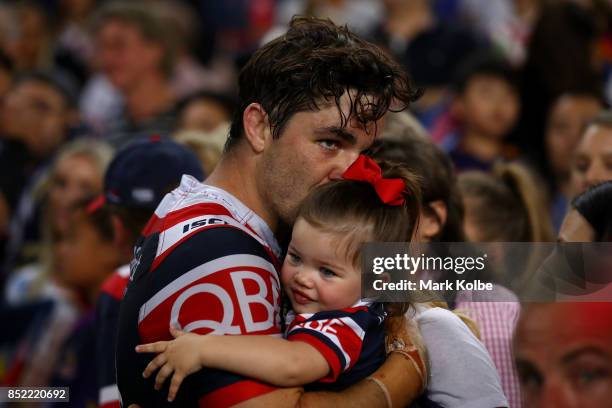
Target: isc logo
202	223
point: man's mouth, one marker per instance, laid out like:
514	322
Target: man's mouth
300	297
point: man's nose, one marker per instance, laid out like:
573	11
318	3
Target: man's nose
343	163
555	394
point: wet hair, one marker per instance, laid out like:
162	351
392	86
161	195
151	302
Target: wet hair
484	64
436	178
149	22
509	204
594	205
312	66
354	211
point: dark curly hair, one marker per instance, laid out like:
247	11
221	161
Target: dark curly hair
314	63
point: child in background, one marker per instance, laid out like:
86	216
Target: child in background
484	110
334	338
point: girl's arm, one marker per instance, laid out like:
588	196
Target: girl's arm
265	358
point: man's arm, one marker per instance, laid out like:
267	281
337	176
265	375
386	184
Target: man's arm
396	383
397	374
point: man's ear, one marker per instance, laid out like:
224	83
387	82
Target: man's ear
432	220
256	127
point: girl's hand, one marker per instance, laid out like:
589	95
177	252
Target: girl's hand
178	357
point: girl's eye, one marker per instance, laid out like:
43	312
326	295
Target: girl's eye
293	259
327	273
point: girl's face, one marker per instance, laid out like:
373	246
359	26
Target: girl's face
315	275
75	177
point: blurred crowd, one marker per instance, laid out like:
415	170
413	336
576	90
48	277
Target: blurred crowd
511	127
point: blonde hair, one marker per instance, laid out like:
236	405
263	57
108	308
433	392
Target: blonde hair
100	154
510	206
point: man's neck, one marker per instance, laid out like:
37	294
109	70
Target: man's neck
149	97
237	176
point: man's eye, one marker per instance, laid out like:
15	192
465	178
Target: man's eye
329	144
327	273
586	377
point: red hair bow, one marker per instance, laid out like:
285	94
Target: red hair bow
365	169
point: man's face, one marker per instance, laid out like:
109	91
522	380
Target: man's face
564	355
36	113
124	55
311	150
592	162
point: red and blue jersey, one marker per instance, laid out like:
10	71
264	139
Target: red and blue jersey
351	340
206	264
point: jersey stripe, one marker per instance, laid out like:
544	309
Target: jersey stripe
218	265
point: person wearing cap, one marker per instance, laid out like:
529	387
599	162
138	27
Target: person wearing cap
136	180
310	102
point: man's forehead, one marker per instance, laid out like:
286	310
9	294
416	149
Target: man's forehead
569	321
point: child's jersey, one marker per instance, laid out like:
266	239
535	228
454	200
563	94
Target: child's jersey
352	340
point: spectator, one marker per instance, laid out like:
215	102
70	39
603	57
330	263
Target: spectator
441	220
85	258
76	174
204	111
38	117
566	121
430	49
135	51
485	108
566	31
504	206
563	352
592	163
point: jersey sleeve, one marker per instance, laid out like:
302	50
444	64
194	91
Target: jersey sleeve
338	336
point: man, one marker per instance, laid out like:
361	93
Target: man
136	53
310	102
134	184
564	354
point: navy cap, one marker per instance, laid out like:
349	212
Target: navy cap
141	174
